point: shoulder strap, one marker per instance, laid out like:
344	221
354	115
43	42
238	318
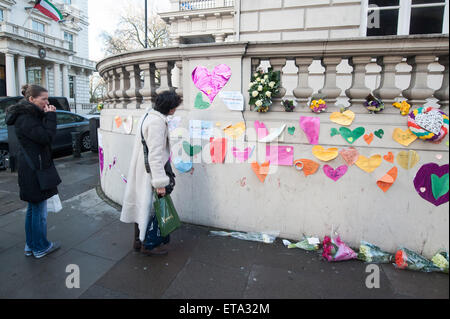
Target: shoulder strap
144	144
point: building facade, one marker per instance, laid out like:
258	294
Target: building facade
35	49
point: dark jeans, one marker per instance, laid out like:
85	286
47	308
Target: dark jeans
36	227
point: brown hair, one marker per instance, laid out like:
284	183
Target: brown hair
32	90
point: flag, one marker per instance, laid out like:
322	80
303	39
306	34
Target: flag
47	8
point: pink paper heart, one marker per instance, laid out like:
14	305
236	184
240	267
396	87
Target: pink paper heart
261	129
211	83
349	155
242	156
335	174
311	127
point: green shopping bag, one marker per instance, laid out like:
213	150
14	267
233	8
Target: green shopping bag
166	214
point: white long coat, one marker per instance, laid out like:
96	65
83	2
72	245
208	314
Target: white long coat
138	192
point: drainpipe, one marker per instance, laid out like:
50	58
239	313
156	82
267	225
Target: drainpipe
238	31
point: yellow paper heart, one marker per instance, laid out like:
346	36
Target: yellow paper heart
403	137
369	164
345	118
235	131
408	160
325	155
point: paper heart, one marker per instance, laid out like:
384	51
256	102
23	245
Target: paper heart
325	155
211	83
291	130
439	185
407	160
118	121
346	118
369	164
379	133
389	158
182	166
128	124
368	138
261	171
351	136
242	156
199	103
334	132
349	155
235	131
308	167
335	174
402	137
423	183
431	121
218	149
311	127
191	150
388	180
261	129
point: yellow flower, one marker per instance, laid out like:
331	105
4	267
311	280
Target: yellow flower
404	107
321	101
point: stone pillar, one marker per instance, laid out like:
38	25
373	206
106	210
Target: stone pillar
442	93
10	75
220	37
418	91
165	73
387	91
135	84
147	90
179	89
21	71
330	90
124	82
358	91
278	65
57	79
111	82
44	76
303	92
65	80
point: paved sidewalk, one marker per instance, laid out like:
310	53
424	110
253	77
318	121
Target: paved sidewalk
198	265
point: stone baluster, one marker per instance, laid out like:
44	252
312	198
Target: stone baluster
147	90
358	92
442	93
388	91
164	69
255	64
330	90
418	91
179	89
109	94
124	78
116	87
303	92
135	84
278	65
105	97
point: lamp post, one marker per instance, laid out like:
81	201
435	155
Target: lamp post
146	17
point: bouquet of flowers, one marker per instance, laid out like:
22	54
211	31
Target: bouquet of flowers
288	105
317	104
404	107
373	104
373	254
308	243
440	260
336	250
99	106
262	88
407	259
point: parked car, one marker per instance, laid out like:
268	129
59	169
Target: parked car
67	122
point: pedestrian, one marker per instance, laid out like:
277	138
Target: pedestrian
137	206
35	126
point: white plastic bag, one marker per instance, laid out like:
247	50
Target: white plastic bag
54	204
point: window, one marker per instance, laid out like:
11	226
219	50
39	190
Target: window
1	15
69	37
34	76
71	86
64	118
404	17
38	26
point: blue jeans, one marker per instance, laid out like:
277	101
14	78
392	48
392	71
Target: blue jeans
36	227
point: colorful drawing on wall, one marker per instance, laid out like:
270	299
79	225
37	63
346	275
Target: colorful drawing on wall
388	180
335	174
432	183
101	158
191	150
404	137
211	83
345	118
118	121
307	166
407	159
234	100
323	154
280	155
379	133
261	171
351	136
242	156
429	123
128	124
369	164
369	138
274	135
182	166
349	155
201	129
199	103
235	131
261	130
389	157
311	127
218	149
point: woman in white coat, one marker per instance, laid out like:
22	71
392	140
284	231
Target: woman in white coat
137	206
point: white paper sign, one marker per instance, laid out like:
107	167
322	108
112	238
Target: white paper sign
201	129
234	100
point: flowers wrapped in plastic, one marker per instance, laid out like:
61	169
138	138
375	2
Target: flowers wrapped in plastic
407	259
373	104
288	105
404	107
373	254
336	250
264	86
440	260
318	106
308	243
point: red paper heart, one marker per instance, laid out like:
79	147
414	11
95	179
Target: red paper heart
349	155
368	138
389	158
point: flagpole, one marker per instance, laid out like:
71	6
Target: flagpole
31	11
146	32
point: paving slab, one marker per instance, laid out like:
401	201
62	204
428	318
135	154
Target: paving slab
98	292
8	240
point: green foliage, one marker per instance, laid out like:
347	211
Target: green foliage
266	85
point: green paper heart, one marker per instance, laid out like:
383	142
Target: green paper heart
351	136
199	103
334	132
191	150
291	130
439	185
379	133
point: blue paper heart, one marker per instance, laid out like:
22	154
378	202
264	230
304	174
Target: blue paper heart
182	166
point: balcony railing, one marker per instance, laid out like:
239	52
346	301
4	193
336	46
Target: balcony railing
204	4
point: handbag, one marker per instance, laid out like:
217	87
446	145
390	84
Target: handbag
166	214
54	204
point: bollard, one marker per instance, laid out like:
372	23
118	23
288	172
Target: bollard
76	144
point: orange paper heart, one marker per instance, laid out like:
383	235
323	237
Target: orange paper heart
261	170
369	164
404	138
388	180
368	138
389	158
118	121
309	167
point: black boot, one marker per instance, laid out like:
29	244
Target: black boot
137	243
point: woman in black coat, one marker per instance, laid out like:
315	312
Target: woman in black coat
35	125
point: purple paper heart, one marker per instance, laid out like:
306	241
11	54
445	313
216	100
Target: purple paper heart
335	174
261	129
423	181
211	84
311	127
